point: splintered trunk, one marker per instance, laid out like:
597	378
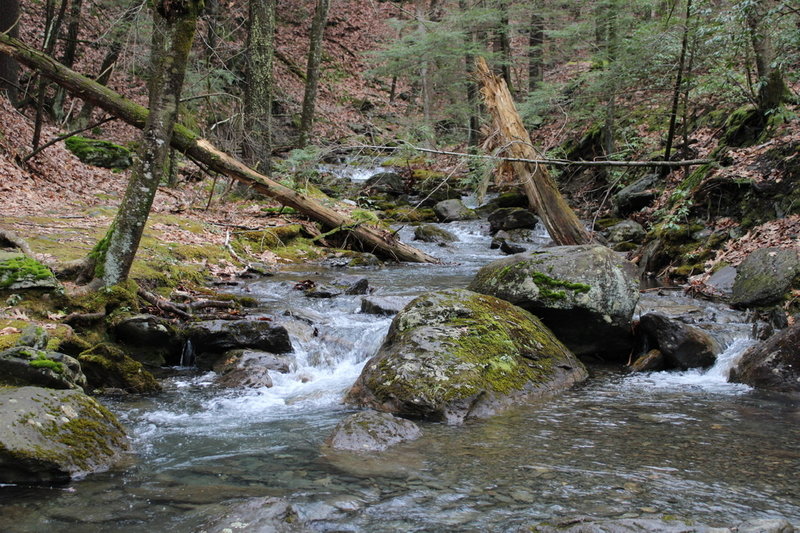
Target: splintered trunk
312	72
257	145
9	24
372	238
560	221
173	33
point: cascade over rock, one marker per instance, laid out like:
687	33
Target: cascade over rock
454	355
682	346
585	294
773	364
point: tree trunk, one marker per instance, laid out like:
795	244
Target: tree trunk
312	71
9	24
612	43
257	145
673	115
560	221
535	51
73	27
173	32
504	38
201	150
772	89
472	88
420	11
51	29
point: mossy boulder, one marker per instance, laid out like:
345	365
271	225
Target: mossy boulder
50	436
454	355
99	153
626	231
435	234
17	271
107	366
453	210
24	365
149	339
508	218
585	294
773	364
765	277
370	431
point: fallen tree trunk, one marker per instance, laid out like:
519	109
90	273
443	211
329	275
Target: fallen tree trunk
372	239
560	221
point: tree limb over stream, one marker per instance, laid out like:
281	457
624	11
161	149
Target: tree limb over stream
183	139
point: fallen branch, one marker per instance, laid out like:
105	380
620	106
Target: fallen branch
372	238
16	240
76	319
163	304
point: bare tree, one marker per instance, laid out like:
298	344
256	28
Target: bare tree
312	70
257	144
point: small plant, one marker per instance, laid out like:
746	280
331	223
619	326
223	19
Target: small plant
42	361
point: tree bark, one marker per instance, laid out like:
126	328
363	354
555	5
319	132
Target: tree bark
772	89
420	11
473	125
173	32
312	71
9	23
560	221
257	144
673	115
374	239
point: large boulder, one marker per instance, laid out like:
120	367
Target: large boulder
106	366
773	364
585	294
390	183
213	338
453	210
435	234
681	345
49	436
453	355
370	431
24	365
508	218
99	153
637	195
250	368
765	276
149	339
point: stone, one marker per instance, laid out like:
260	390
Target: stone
269	514
773	364
213	338
23	365
585	294
359	287
385	182
620	525
250	368
683	346
765	277
384	305
149	339
50	436
34	336
108	367
637	195
510	248
508	218
434	234
20	272
370	431
99	153
455	355
322	292
453	210
766	525
649	362
626	231
721	281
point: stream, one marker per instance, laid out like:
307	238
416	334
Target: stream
685	444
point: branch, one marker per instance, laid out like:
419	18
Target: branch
163	304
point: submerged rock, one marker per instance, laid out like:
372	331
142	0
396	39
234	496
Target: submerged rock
585	524
435	234
24	365
453	210
454	355
270	514
49	436
682	346
213	338
370	431
585	294
765	277
773	364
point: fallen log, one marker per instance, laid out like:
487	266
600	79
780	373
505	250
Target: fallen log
560	221
372	239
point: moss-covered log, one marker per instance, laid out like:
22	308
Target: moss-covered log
374	239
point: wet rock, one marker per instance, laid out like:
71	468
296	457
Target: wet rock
683	346
766	525
651	361
390	183
370	431
359	287
322	291
49	436
765	276
384	305
274	515
34	337
773	364
626	231
149	339
435	234
622	525
454	355
215	337
722	281
510	248
508	218
20	272
453	210
106	366
585	294
637	195
250	368
23	365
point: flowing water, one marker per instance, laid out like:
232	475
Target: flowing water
683	444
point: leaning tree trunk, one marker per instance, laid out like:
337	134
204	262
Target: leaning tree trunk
174	26
372	238
9	24
312	71
560	221
257	143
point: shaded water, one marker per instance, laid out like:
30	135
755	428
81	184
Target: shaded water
686	444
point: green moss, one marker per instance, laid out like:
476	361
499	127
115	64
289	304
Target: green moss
41	361
99	153
20	268
410	214
105	365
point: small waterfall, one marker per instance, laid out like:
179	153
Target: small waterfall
728	359
187	354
